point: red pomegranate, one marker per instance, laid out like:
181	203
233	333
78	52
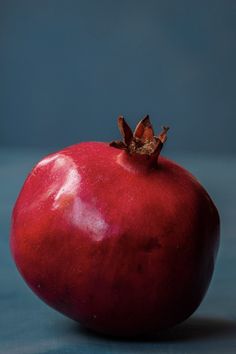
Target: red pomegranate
114	236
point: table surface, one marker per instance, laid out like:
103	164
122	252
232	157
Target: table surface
28	326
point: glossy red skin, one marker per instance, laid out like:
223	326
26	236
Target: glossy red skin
122	247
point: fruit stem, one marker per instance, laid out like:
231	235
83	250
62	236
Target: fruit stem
143	141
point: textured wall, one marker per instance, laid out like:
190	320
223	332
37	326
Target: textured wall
68	68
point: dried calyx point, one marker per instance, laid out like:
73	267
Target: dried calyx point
142	141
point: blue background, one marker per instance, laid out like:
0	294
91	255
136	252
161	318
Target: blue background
67	70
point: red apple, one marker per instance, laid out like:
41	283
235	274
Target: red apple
114	236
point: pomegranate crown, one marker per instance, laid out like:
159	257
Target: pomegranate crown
142	141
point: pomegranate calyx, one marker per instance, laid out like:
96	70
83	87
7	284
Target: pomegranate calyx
142	141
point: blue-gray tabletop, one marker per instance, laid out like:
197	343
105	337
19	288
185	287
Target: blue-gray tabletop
28	326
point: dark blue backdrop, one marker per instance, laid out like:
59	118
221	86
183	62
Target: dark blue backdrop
68	68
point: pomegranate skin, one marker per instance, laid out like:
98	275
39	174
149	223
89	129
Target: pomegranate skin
123	247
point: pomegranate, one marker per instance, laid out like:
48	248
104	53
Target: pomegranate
115	236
